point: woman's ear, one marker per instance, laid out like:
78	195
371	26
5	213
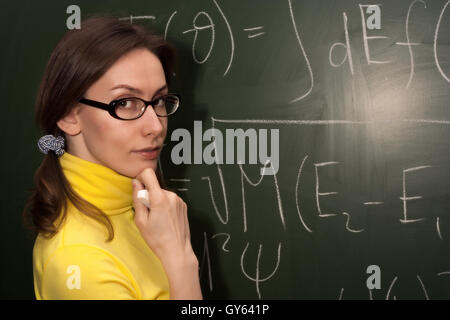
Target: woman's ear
70	123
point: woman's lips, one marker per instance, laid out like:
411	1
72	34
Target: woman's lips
151	155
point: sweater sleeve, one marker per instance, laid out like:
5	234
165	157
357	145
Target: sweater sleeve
83	272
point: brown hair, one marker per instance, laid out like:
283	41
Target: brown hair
80	58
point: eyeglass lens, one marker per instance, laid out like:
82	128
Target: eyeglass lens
131	108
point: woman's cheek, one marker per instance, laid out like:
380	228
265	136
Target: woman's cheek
164	131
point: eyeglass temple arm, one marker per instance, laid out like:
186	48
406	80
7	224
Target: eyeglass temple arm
93	103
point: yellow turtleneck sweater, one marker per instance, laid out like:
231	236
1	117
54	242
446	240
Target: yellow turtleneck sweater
77	263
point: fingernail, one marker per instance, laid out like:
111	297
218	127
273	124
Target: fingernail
133	182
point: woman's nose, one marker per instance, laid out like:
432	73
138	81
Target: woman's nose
151	123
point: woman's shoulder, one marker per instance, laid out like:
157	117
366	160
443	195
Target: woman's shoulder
76	230
82	271
78	248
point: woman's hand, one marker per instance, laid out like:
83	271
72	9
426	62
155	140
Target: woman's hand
165	228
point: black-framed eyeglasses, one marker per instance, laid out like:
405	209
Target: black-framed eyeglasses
133	107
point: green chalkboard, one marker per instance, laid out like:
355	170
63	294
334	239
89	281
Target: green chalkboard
363	120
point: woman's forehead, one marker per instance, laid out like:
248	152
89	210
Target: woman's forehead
139	61
139	72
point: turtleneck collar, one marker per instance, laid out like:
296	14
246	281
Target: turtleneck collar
101	186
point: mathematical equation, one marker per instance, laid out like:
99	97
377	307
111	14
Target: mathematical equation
255	32
258	278
256	275
203	32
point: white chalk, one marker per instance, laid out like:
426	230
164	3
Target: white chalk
142	195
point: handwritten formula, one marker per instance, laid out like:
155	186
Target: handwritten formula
365	157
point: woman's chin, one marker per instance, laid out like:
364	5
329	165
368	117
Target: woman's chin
153	164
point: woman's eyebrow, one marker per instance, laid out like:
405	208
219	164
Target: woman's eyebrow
164	87
136	90
127	87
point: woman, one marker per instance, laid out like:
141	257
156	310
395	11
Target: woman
103	103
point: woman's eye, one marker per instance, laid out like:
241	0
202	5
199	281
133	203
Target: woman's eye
159	101
125	104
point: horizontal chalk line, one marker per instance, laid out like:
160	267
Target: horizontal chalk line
327	122
256	35
137	17
251	29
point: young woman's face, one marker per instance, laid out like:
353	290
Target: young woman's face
112	142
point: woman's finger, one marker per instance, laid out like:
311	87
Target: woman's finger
140	210
186	221
180	218
150	182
